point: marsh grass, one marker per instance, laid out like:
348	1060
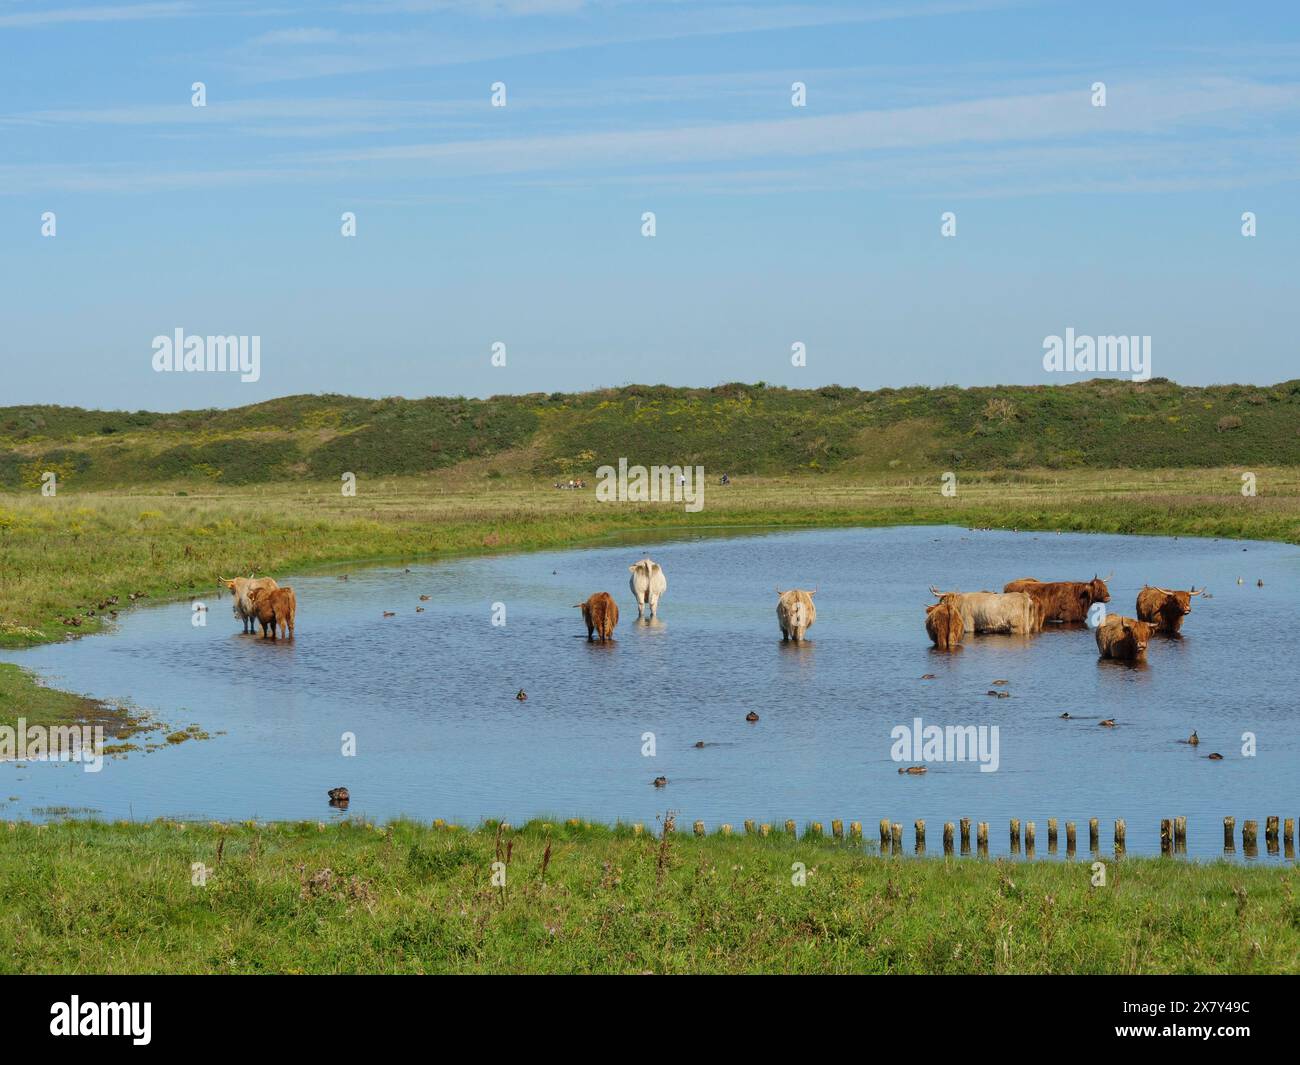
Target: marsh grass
91	897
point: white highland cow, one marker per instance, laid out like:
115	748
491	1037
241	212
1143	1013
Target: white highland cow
648	583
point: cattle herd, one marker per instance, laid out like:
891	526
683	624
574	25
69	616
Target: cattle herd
1023	606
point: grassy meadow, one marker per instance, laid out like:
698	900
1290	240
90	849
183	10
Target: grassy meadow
83	897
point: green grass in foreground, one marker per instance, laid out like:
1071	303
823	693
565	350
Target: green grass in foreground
84	897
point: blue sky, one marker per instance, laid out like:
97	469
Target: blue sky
522	224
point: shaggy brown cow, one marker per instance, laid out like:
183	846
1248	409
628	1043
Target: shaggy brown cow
274	609
1124	638
600	613
1063	600
1165	609
943	623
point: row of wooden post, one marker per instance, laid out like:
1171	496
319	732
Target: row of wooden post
1250	836
1173	835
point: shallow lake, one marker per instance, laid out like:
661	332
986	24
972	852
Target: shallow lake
430	696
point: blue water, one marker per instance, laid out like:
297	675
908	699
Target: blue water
430	697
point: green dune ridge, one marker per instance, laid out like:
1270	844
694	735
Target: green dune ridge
737	428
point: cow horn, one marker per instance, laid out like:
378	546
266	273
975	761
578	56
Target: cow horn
1108	576
1195	591
935	592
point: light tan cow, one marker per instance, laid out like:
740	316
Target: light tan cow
795	613
242	607
996	612
648	583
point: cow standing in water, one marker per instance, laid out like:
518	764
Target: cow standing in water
648	583
600	613
1067	601
795	613
943	623
1123	638
240	589
1014	613
1165	609
274	609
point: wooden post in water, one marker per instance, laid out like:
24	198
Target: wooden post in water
699	828
1121	833
919	828
1288	837
855	830
1069	839
790	828
1229	828
947	837
1015	835
1166	836
837	829
814	830
1180	834
1094	835
1051	835
638	828
982	838
1270	834
764	829
965	835
1250	838
1031	834
896	837
725	830
884	835
749	827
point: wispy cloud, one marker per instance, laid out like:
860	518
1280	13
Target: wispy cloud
413	47
46	16
1153	136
